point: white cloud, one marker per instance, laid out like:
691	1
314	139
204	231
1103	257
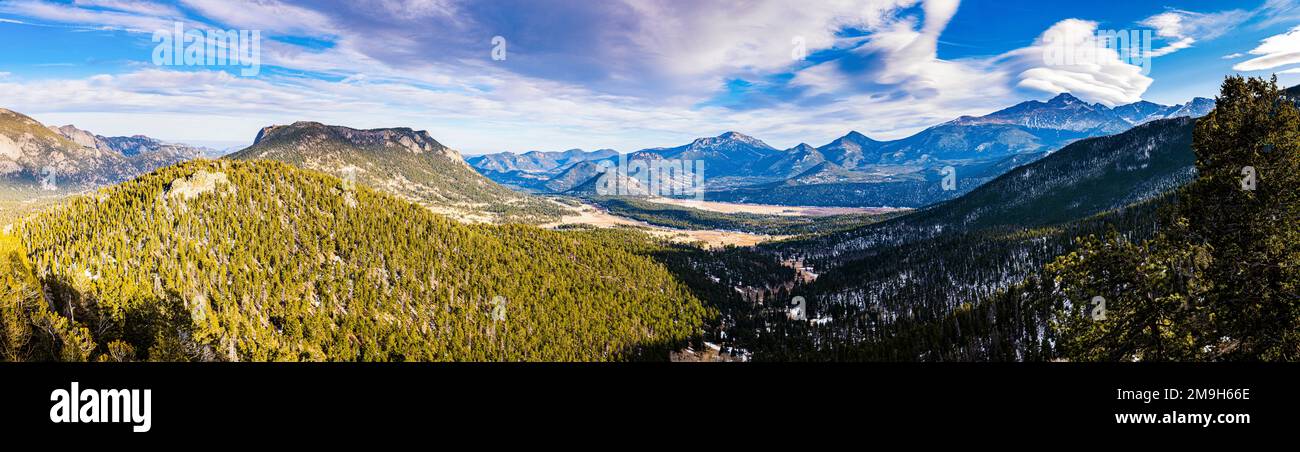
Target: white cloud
905	51
417	9
1090	72
1278	12
1185	28
708	38
396	74
1273	52
147	8
909	53
123	20
696	42
266	15
820	79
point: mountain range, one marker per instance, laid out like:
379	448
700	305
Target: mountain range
856	170
1066	112
129	146
536	161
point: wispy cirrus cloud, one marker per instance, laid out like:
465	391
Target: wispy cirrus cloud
99	18
1184	28
1274	12
269	16
147	8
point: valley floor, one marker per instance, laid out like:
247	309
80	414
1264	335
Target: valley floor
590	215
771	209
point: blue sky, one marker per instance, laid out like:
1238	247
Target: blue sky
622	74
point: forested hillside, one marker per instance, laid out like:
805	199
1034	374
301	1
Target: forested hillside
231	260
913	301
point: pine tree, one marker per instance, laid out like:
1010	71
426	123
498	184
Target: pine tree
1245	207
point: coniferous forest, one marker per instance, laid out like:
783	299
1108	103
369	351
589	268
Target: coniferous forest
226	260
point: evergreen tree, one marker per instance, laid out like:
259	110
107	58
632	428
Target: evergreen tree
1245	207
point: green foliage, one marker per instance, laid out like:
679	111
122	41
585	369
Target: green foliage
1253	235
31	330
1150	306
19	298
262	261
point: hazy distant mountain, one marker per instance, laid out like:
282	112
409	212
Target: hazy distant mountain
1063	112
536	161
1198	107
855	170
147	152
573	176
790	162
729	154
1137	112
41	161
1066	112
615	183
852	150
1030	126
140	144
545	172
954	141
905	171
828	173
400	161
